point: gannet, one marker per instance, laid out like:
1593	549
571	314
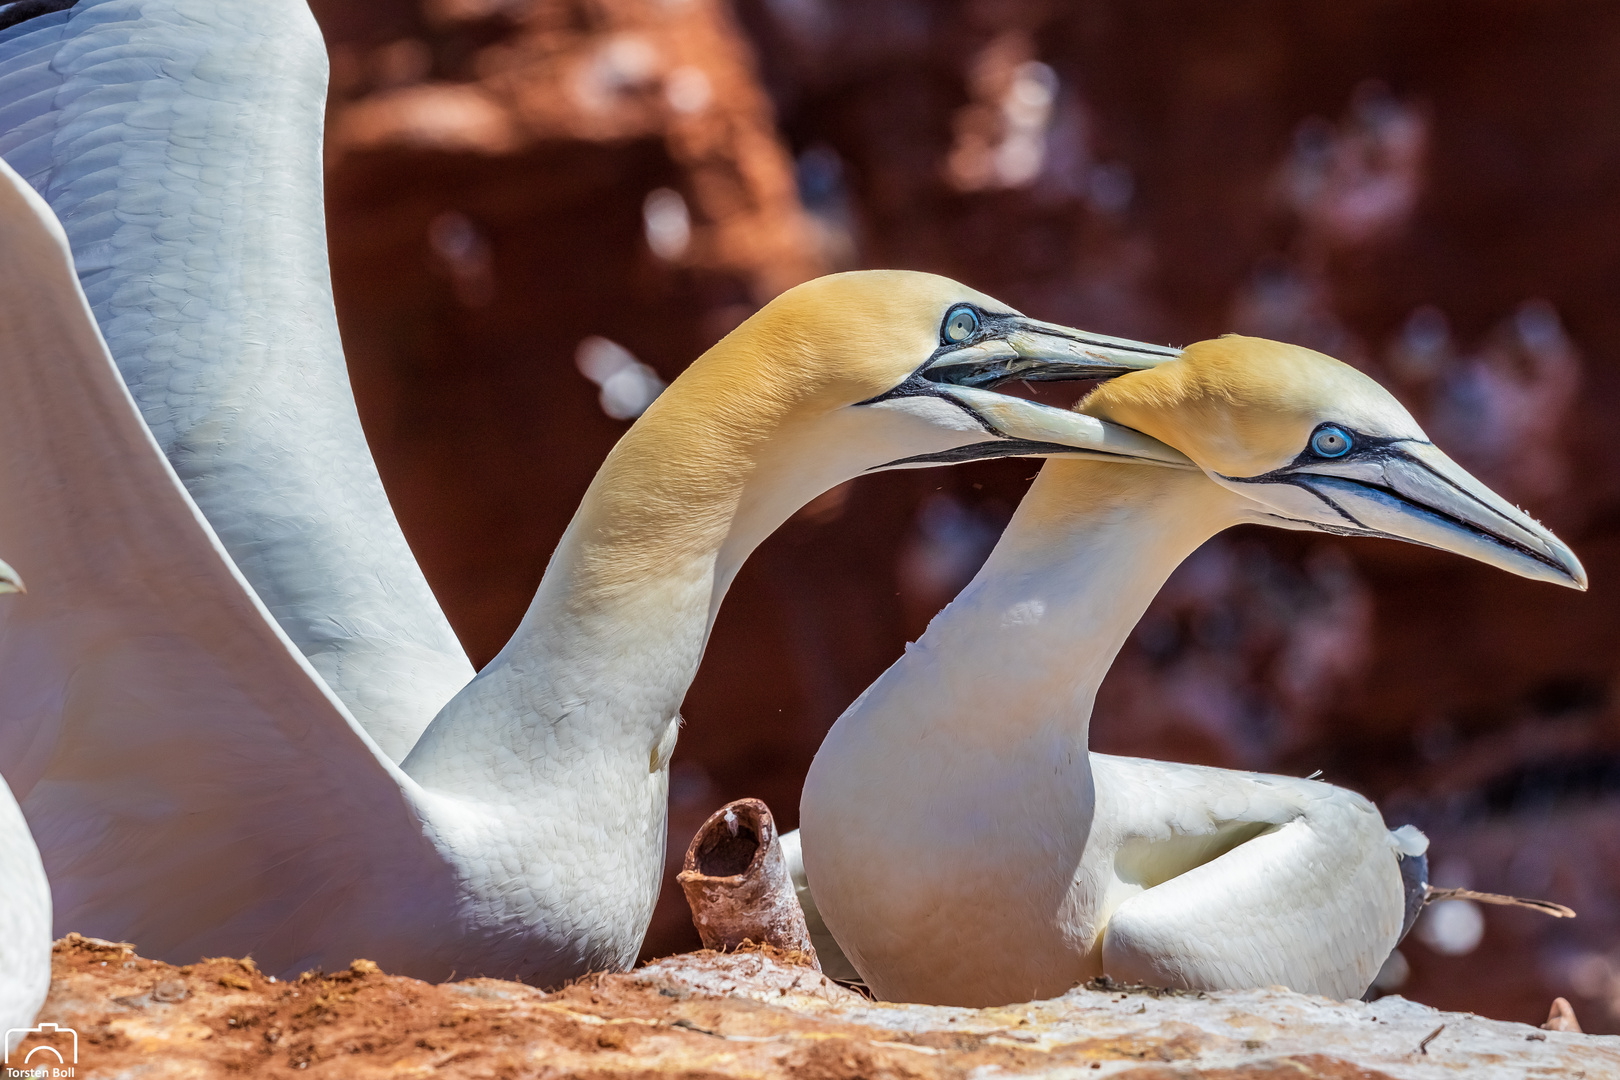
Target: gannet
196	787
179	143
25	906
961	844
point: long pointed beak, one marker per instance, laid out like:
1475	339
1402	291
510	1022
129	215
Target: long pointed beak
1413	491
10	580
1011	347
1016	347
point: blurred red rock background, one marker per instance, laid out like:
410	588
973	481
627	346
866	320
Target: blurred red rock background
541	210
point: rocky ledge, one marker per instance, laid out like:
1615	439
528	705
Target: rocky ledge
746	1014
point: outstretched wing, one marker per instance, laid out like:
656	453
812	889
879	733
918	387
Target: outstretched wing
1285	882
193	785
179	143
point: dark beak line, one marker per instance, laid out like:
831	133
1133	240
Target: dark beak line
1301	481
916	385
983	451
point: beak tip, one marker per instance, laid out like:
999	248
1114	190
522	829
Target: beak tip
1573	568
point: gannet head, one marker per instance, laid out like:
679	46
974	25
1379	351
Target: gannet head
10	580
1312	443
846	374
900	366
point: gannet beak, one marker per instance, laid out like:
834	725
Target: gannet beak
1016	347
1410	490
1009	347
10	580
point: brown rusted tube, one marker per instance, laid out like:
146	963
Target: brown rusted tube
736	881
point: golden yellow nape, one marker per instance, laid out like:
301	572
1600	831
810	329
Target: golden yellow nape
1242	406
838	339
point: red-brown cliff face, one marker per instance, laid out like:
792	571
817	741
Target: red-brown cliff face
1425	189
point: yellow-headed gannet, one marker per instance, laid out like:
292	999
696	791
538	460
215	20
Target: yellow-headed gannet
196	787
963	846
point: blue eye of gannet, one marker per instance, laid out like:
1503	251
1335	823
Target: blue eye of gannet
961	322
1330	442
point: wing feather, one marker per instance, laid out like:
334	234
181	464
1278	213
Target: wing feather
1298	884
192	783
178	141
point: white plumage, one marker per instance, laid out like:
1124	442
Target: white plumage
179	143
218	692
963	845
25	907
25	923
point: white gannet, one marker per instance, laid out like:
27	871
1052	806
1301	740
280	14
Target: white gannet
195	787
962	845
25	906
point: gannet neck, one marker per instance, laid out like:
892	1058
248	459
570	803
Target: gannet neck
571	726
615	631
988	712
1088	549
753	430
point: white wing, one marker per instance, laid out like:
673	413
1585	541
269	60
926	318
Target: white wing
25	923
1236	879
192	784
179	142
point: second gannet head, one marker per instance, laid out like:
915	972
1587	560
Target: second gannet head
1312	443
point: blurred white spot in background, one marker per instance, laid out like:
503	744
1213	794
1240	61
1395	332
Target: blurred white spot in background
628	385
688	90
668	224
1001	134
1452	927
1595	975
1027	107
624	63
465	253
1393	975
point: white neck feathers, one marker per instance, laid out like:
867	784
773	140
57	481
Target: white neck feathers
1027	643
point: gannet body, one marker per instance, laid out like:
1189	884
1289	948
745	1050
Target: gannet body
195	783
961	843
25	906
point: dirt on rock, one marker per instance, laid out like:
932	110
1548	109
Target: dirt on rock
748	1014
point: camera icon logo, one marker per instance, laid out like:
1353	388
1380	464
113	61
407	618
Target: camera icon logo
43	1055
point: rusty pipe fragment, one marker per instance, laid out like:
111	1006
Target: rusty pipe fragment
736	880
